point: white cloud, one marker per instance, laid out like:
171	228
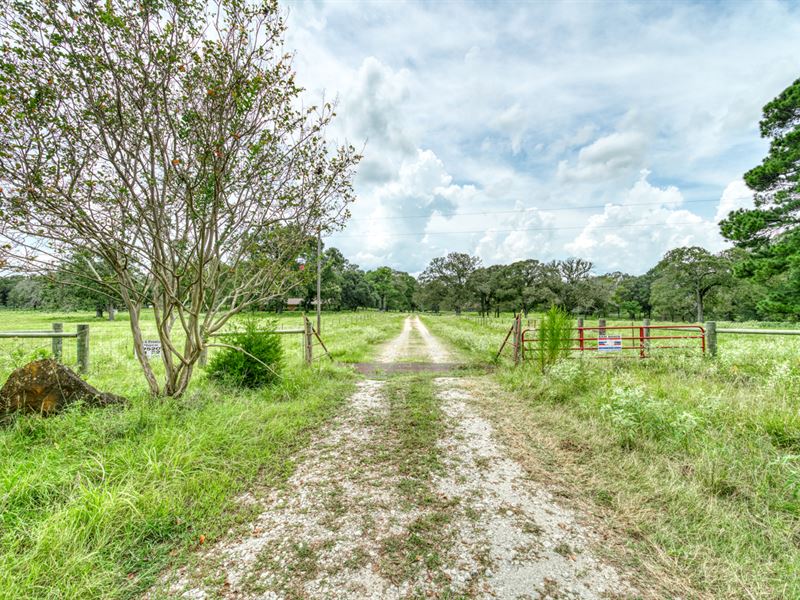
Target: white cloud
576	138
605	158
545	106
372	112
512	122
635	234
403	212
517	238
736	195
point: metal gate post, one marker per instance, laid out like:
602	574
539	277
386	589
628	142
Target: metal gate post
641	342
711	337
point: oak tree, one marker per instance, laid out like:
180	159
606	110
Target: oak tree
453	271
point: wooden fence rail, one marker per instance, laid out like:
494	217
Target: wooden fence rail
712	332
57	335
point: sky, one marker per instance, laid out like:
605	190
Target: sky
512	130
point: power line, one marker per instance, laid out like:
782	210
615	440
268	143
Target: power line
489	230
523	210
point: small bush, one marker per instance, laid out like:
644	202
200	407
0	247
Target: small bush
255	358
554	336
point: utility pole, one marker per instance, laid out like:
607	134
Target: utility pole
319	281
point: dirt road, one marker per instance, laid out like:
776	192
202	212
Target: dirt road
385	505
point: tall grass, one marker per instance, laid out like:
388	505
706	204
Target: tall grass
553	337
696	461
94	503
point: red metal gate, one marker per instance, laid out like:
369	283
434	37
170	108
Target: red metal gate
610	339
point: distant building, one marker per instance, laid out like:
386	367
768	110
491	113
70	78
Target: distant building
293	303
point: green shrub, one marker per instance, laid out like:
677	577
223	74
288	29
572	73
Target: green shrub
554	336
253	356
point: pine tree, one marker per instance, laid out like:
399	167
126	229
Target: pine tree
770	230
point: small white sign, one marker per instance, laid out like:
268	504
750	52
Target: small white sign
152	348
609	343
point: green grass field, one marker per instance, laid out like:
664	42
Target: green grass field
694	462
95	503
696	459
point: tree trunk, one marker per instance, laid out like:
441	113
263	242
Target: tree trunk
699	300
178	380
138	349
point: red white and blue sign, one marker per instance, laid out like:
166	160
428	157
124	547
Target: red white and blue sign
609	343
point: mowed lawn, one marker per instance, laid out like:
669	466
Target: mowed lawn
94	503
695	461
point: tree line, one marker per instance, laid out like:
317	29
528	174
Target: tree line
687	284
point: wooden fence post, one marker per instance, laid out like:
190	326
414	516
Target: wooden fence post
83	348
580	334
309	341
711	337
58	343
517	335
601	323
646	323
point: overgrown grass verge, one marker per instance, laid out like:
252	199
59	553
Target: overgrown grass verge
694	461
94	501
414	425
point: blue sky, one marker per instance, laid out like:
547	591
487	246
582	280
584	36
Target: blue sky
610	131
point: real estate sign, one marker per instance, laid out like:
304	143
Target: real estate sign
609	343
152	348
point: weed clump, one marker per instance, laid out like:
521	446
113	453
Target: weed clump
553	341
251	358
633	413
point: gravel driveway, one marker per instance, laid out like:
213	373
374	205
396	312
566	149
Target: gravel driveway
330	531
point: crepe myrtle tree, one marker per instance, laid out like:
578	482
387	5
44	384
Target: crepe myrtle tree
167	138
